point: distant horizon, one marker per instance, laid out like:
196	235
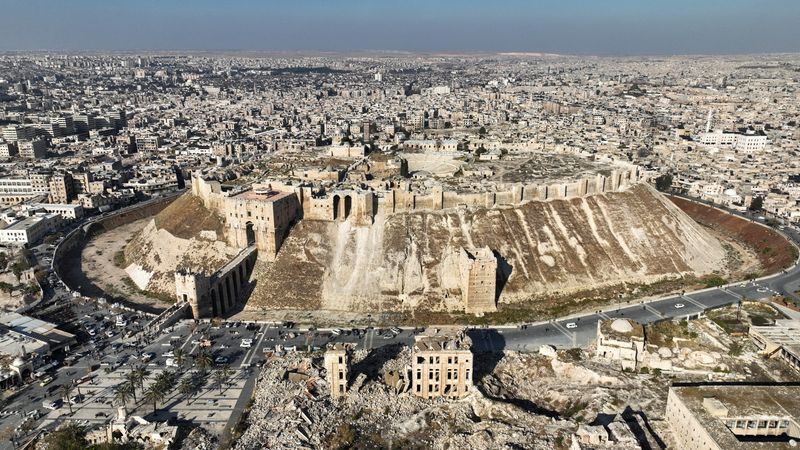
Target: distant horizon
566	27
316	52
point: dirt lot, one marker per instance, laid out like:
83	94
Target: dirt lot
772	249
97	264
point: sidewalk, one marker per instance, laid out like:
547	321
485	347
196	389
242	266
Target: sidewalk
788	312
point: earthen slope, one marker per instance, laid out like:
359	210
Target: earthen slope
409	260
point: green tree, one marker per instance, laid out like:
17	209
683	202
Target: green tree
482	131
67	437
136	378
154	393
17	269
66	391
3	261
757	204
221	377
180	357
165	381
186	388
664	182
6	287
123	392
203	361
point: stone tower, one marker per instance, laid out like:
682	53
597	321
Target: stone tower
478	280
193	287
336	367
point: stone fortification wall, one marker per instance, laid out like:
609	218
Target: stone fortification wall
260	216
266	222
403	200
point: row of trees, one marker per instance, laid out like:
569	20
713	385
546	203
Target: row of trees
165	382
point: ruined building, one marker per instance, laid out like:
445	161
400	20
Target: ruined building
621	341
478	269
442	366
336	366
733	416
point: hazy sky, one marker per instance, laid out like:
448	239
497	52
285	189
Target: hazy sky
559	26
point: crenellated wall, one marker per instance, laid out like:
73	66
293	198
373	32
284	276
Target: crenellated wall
264	215
400	199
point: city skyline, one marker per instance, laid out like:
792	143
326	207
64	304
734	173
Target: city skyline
573	27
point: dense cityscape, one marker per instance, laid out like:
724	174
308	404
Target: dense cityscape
373	249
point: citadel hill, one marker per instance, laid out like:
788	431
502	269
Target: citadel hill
259	217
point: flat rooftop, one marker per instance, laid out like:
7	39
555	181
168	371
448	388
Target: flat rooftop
24	223
262	197
744	400
784	332
35	328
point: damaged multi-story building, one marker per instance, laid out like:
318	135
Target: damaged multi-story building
442	365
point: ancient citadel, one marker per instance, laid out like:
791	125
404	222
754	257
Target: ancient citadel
259	218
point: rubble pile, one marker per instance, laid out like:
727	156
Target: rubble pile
520	400
200	439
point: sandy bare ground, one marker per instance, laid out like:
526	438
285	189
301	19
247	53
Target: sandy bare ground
11	300
97	265
740	261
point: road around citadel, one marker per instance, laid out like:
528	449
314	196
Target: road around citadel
580	329
119	353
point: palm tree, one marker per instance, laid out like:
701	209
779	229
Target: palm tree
186	388
123	393
136	378
155	394
165	381
180	357
221	376
66	390
203	360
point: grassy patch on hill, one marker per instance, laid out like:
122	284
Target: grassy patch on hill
186	217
